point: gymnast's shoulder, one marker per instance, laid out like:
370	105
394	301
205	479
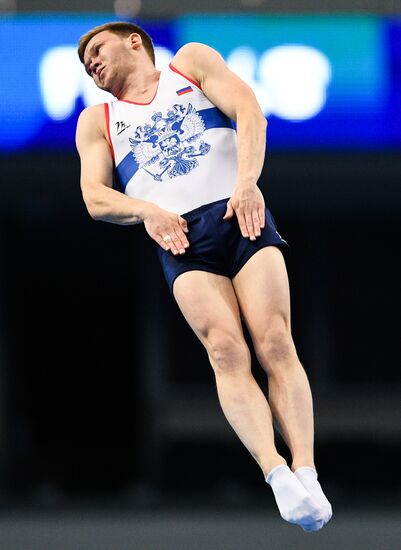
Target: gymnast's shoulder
92	121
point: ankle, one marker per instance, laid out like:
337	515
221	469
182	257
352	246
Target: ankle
268	466
301	463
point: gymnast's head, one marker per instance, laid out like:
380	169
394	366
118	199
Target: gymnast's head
112	52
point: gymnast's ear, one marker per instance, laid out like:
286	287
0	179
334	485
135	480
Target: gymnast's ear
135	40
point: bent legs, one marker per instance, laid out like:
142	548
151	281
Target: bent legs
211	307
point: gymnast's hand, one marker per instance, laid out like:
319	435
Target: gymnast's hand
249	206
166	228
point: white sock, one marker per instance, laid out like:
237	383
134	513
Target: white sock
308	477
293	500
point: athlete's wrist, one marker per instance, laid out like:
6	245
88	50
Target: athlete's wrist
246	181
148	209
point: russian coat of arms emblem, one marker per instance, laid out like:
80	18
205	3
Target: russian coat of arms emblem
170	144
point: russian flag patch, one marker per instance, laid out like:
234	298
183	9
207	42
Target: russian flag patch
184	90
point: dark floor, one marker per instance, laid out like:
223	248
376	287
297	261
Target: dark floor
193	530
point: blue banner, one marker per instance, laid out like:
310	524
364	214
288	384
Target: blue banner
324	82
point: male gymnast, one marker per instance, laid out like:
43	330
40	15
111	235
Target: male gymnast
166	154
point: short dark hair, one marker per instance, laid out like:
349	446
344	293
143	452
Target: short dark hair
121	28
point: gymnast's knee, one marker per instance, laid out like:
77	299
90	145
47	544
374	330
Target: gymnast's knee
228	353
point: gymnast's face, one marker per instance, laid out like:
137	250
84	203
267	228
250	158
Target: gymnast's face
109	58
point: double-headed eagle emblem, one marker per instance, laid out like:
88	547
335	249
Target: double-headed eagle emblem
171	144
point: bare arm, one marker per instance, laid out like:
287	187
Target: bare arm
237	100
102	201
105	203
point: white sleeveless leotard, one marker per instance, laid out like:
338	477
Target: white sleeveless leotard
177	151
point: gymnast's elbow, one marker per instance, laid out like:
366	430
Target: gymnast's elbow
92	206
94	214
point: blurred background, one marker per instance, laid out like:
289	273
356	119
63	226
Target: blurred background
111	434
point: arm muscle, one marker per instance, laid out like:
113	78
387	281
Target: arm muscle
102	201
234	98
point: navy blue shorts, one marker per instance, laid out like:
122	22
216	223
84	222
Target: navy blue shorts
216	245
